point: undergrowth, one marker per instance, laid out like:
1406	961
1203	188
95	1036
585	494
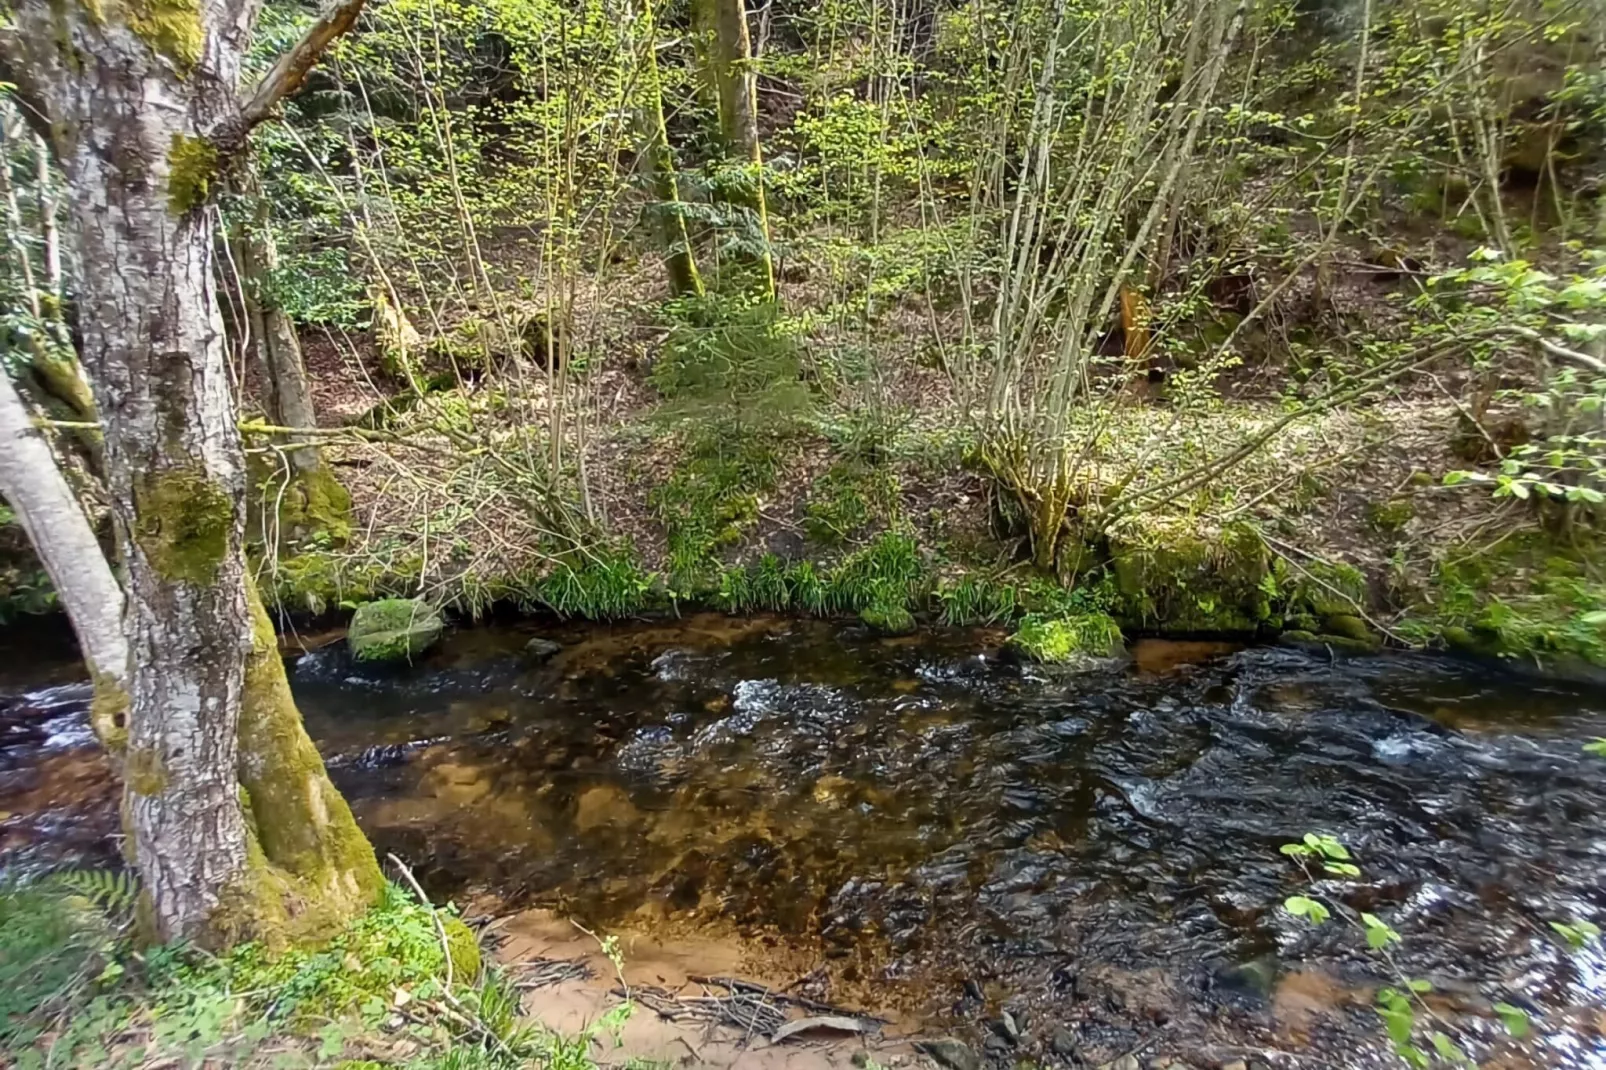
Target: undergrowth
78	990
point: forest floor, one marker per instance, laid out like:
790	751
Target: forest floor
1350	501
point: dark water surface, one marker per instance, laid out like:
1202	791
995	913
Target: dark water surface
944	830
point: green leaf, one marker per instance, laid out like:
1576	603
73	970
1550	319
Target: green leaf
1449	1050
1296	850
1515	1019
1597	748
1418	985
1378	932
1398	1023
1594	616
1342	869
1303	907
1578	934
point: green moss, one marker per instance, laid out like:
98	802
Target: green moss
1525	597
1066	639
394	629
306	831
172	28
1184	581
108	713
316	580
183	524
889	619
315	505
464	948
1320	588
1391	516
144	771
1351	627
192	167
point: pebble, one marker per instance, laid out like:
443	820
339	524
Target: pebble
1062	1042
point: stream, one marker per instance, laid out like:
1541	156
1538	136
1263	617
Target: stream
922	826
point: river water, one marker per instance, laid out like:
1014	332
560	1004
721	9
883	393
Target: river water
921	825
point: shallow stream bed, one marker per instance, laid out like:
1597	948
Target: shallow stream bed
921	826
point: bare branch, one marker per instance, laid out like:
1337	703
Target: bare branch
290	69
1594	364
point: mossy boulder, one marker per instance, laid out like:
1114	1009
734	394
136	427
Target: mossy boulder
1067	640
464	948
395	629
890	619
1348	626
1187	581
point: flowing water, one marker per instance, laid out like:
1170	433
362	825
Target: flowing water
920	824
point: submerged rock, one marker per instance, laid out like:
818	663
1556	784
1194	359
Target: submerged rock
395	629
951	1053
539	649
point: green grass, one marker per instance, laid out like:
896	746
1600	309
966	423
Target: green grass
77	990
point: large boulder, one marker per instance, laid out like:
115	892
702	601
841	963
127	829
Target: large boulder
395	629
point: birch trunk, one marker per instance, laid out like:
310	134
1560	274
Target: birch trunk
67	547
142	113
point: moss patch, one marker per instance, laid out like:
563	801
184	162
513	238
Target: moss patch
464	949
172	28
395	629
183	522
144	772
324	869
1066	639
192	167
108	713
1181	581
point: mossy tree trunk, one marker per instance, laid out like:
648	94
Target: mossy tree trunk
731	61
140	104
301	493
286	393
658	163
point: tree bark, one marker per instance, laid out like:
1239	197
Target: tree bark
732	63
658	162
286	394
142	116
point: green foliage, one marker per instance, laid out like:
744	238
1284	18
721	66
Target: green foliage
1526	596
849	497
607	585
709	502
1059	640
1578	934
977	600
1408	1019
76	989
731	364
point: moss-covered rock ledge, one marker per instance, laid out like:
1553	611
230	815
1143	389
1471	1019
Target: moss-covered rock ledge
1529	601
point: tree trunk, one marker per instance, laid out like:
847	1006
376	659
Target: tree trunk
301	494
286	394
732	63
658	162
66	545
142	114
